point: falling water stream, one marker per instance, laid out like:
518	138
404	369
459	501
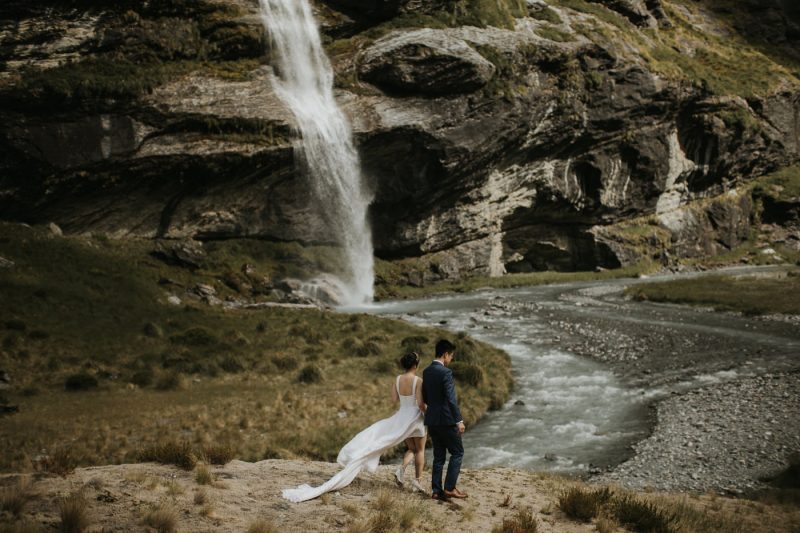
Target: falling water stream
304	82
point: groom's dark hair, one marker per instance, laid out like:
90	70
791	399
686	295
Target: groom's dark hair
444	346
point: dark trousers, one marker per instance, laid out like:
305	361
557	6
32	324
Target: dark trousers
445	439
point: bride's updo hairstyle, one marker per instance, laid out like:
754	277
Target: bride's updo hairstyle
409	360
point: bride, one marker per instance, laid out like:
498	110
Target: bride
366	448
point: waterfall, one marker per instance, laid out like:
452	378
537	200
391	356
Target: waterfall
305	84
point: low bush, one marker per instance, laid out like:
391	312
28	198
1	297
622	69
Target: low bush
162	518
583	504
310	374
80	382
219	454
197	337
285	362
467	373
170	453
143	378
642	516
170	381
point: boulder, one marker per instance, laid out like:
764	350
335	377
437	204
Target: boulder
187	253
425	62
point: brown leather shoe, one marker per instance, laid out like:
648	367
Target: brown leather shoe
455	493
440	497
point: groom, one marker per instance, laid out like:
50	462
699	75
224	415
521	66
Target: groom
444	422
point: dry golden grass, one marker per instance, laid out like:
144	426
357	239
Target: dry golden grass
262	526
201	497
74	510
15	497
162	518
203	475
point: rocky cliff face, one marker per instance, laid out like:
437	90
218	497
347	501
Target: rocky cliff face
514	137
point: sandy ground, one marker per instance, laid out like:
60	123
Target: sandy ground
120	496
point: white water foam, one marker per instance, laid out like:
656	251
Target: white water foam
305	85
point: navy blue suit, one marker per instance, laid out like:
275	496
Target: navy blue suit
442	417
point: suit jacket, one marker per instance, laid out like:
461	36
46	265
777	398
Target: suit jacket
439	393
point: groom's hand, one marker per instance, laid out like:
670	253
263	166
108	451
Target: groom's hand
461	427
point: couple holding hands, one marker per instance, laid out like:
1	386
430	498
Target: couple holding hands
430	401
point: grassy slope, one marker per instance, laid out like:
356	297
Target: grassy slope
231	376
748	295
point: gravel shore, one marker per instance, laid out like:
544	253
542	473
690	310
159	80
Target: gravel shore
725	387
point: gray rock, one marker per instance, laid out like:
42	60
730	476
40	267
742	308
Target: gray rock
425	62
187	253
55	230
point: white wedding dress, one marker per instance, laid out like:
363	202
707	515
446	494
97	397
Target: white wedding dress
366	448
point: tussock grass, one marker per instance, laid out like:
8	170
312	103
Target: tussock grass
522	522
203	475
162	518
583	504
611	508
219	454
15	497
262	526
107	291
170	452
74	512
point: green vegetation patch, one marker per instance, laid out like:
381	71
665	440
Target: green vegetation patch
211	376
746	294
783	185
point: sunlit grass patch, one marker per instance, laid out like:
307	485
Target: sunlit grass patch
745	294
163	518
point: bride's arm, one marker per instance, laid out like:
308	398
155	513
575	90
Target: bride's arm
420	401
395	394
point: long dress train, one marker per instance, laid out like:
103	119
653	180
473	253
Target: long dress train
365	449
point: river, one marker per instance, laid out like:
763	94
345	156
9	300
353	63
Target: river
574	414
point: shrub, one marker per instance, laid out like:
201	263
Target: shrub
368	348
642	516
170	453
219	454
152	330
161	518
310	374
231	364
523	522
74	513
143	378
170	381
16	324
61	462
79	382
414	342
197	337
285	362
306	332
583	504
38	335
467	373
15	497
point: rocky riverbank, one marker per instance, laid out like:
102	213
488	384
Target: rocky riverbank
725	387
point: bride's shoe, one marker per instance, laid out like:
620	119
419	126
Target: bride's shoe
416	487
399	474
